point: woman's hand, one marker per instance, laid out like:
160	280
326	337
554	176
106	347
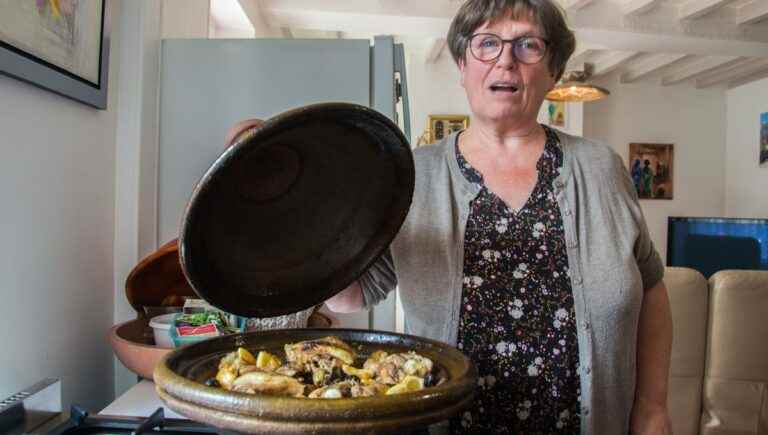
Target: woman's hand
649	418
349	300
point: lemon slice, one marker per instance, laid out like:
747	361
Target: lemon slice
267	361
408	384
413	383
246	356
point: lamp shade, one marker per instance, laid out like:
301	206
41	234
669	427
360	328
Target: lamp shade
574	88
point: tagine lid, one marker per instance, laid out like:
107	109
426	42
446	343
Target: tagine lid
297	209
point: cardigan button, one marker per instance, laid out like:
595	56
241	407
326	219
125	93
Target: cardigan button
585	410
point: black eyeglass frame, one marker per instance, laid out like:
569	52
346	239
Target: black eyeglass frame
513	42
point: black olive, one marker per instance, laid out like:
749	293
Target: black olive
304	377
336	375
212	382
430	380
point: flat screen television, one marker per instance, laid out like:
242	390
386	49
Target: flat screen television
712	244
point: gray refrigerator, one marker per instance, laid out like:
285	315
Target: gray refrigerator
209	84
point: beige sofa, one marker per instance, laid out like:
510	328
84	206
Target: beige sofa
719	373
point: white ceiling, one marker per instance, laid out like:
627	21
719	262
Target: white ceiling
705	42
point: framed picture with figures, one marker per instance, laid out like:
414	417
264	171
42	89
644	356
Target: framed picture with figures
652	167
440	126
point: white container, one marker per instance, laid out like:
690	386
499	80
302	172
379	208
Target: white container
161	327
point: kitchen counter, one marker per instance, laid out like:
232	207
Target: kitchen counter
139	401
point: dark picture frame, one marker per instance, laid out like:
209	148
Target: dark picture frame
24	65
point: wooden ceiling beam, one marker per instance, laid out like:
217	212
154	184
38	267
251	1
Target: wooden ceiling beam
736	72
748	79
581	55
697	67
649	65
752	13
612	61
693	9
638	7
598	33
648	42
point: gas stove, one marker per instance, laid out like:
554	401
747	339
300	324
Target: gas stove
37	410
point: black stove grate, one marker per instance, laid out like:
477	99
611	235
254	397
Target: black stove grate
81	423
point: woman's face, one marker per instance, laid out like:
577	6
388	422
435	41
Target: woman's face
505	90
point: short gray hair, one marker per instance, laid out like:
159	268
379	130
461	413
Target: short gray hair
545	13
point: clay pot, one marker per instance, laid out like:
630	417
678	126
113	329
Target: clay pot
180	378
134	348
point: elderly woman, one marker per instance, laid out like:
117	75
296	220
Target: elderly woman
527	249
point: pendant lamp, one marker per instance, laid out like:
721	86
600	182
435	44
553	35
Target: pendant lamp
573	87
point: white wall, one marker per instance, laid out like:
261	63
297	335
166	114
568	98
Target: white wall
745	187
434	88
57	179
136	151
691	119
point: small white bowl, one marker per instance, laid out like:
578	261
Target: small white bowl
161	327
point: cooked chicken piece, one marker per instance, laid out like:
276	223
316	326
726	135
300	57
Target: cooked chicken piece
392	369
304	352
226	376
372	389
233	365
259	381
286	371
375	358
321	358
247	369
416	364
361	374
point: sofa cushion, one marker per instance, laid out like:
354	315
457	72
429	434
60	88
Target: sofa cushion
688	297
735	397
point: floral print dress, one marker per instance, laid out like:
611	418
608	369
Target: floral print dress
517	318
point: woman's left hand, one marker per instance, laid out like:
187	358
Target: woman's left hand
649	419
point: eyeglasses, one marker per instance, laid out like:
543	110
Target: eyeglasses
487	47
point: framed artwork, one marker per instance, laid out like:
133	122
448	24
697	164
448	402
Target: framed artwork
763	138
58	45
651	167
441	126
556	113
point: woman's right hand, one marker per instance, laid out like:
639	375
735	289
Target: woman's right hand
348	300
